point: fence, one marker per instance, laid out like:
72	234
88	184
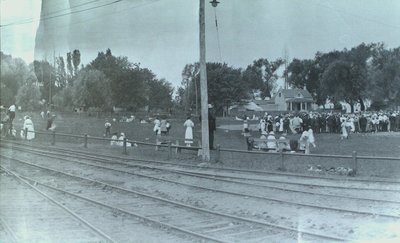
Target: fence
266	160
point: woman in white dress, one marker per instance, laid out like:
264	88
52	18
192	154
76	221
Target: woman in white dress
189	131
28	126
156	128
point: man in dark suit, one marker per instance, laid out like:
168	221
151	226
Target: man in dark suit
212	126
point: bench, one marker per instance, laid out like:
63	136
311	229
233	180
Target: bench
178	143
280	145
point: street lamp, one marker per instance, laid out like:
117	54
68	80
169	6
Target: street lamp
214	3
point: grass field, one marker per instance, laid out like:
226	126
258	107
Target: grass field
228	135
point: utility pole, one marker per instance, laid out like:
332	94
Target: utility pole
195	90
205	148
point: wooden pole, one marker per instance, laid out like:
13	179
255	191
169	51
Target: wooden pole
203	86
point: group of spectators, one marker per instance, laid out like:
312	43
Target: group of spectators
307	123
331	122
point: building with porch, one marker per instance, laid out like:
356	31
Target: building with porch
293	100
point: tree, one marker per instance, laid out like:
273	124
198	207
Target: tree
261	75
61	74
46	77
306	74
384	77
76	60
29	96
160	94
92	89
14	72
128	81
192	85
64	100
225	86
70	69
346	78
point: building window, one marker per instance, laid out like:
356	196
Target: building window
298	95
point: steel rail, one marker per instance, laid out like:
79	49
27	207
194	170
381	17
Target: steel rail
14	238
93	157
258	222
217	177
119	209
80	219
381	180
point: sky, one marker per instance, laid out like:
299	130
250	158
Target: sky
163	35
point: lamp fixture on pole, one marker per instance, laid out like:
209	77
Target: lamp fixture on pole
214	3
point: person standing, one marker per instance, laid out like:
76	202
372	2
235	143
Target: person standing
311	138
107	125
11	112
344	130
156	128
29	129
212	126
246	131
363	123
50	123
189	131
263	125
163	126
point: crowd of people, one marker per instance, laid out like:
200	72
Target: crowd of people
331	122
308	123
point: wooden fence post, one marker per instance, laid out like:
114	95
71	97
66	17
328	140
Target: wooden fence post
53	141
85	142
355	166
218	155
169	150
282	160
124	151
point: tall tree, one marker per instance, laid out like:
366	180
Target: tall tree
76	60
61	75
225	86
191	84
29	95
159	94
346	78
70	69
384	76
92	89
306	74
45	74
14	73
128	81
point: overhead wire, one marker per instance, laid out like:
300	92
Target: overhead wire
60	15
123	9
216	26
22	21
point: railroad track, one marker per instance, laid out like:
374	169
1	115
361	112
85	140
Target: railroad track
203	223
242	172
387	190
23	206
324	208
